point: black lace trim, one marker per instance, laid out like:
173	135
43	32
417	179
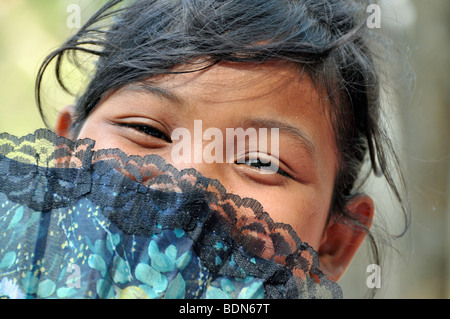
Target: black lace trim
47	172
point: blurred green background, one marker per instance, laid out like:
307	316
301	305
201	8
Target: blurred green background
30	29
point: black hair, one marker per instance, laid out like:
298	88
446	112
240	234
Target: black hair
329	39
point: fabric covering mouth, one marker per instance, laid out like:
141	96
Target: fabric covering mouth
79	223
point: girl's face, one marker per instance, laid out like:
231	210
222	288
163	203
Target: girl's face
140	120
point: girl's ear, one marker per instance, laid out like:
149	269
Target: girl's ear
64	122
341	241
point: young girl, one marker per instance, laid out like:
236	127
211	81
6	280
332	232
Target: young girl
300	69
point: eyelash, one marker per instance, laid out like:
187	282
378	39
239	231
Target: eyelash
150	130
260	166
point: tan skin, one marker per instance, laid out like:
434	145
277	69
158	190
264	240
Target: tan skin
242	95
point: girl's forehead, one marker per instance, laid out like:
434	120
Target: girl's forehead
227	82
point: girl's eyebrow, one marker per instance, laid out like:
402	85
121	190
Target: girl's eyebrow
294	132
154	90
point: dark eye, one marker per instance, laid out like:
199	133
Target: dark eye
265	166
151	131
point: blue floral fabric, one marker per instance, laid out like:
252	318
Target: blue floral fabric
90	231
77	252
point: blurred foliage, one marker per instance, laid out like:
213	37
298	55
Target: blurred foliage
29	31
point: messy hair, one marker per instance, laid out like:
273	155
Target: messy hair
133	41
